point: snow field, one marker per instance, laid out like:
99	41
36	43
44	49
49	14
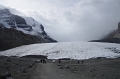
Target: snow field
73	50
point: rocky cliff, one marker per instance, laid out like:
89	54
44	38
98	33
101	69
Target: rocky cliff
117	34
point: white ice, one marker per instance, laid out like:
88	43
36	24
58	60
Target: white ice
73	50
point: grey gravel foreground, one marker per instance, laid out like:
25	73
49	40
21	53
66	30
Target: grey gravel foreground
29	68
90	69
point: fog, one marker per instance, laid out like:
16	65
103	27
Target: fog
72	20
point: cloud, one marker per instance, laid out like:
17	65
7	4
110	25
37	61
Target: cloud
2	7
72	20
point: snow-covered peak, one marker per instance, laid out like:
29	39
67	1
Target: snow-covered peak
35	24
11	10
25	24
5	24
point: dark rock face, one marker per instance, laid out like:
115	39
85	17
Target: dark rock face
5	11
16	21
119	27
35	56
10	38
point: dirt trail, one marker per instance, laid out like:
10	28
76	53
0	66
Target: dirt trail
47	71
52	71
107	69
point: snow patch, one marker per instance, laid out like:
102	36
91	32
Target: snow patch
5	24
35	25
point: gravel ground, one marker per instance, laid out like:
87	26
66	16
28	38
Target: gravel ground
18	68
30	68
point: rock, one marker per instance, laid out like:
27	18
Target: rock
30	66
6	76
74	69
119	27
61	67
9	60
94	70
102	75
24	71
67	67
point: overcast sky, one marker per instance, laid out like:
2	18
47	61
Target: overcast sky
72	20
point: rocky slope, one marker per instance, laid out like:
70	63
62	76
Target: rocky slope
117	34
113	37
18	30
10	38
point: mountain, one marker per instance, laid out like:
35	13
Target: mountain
113	37
17	30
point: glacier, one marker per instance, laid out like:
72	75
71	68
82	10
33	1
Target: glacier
72	50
